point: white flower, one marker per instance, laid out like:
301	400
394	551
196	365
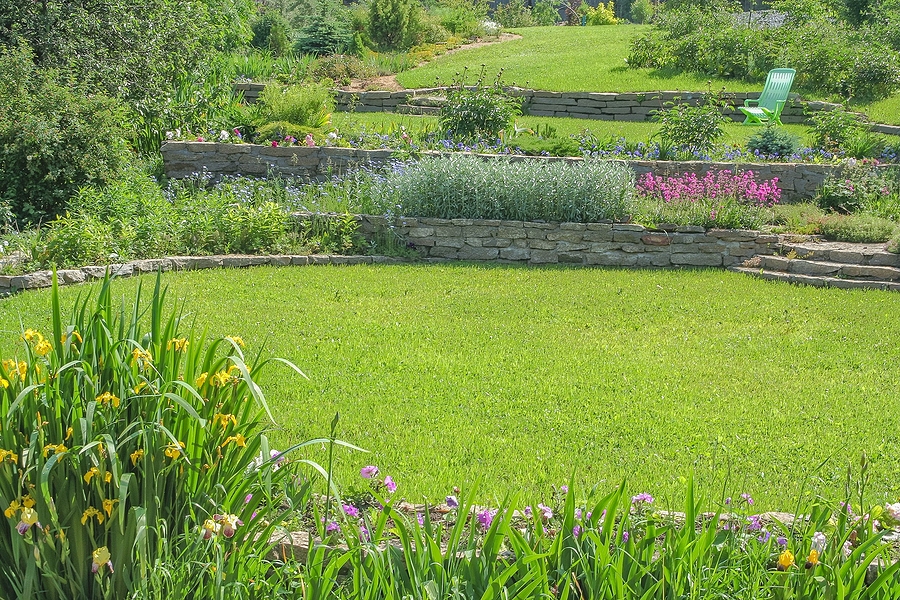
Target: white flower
818	542
893	511
223	136
847	549
170	135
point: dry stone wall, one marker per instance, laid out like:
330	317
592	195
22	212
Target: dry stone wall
798	181
587	244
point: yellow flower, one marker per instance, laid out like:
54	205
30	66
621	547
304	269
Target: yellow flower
142	358
57	448
107	398
785	561
140	386
221	378
107	477
813	559
101	558
92	472
31	335
174	451
179	344
137	455
8	454
75	336
92	512
108	506
28	502
235	339
11	509
201	380
43	348
238	439
69	433
224	420
3	383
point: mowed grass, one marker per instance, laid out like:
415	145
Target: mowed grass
564	59
518	378
735	133
881	111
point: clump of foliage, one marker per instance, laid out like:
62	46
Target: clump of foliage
394	24
719	199
545	12
857	228
773	141
324	35
513	14
464	186
54	138
641	11
692	128
863	186
131	441
834	129
463	18
308	105
270	32
341	68
603	14
477	111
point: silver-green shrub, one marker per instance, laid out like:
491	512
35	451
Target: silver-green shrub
470	187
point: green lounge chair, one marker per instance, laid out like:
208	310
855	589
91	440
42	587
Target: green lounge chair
772	99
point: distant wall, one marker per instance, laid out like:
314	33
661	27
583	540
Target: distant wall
798	181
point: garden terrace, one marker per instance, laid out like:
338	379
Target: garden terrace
797	181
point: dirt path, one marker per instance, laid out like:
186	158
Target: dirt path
389	82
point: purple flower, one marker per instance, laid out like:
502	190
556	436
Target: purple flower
747	498
248	498
546	512
728	501
578	513
485	518
781	540
754	524
332	527
576	531
641	498
451	501
764	537
625	536
527	512
364	535
421	518
350	510
564	489
389	484
368	472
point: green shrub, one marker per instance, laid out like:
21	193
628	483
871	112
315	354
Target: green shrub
464	186
270	32
861	186
308	105
641	11
602	15
513	14
692	128
478	111
331	234
773	141
341	68
538	146
857	228
54	139
323	35
805	218
545	12
394	24
278	131
833	128
152	445
462	18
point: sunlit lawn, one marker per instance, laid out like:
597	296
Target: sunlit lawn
519	378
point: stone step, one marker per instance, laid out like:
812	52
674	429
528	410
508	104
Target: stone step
860	254
818	280
432	101
801	266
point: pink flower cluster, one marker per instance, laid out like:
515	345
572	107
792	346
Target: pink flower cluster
715	185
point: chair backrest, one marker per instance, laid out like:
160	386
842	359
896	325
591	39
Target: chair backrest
777	88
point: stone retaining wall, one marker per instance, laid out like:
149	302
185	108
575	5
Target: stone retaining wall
603	244
798	181
587	244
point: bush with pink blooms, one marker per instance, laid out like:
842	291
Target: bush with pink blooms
721	199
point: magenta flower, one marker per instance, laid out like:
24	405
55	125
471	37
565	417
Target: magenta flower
248	498
625	537
576	531
332	527
389	484
350	510
309	140
747	498
420	518
485	518
546	512
368	472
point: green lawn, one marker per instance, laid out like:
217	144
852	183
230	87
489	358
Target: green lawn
882	111
735	133
521	377
564	59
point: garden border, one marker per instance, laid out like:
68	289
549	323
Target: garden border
797	181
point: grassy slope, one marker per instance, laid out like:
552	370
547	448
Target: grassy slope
735	133
520	377
590	59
